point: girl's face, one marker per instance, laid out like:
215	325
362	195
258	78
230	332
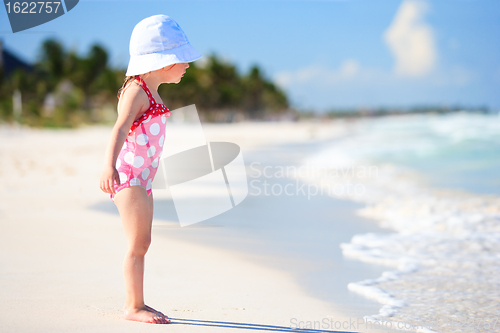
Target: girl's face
174	73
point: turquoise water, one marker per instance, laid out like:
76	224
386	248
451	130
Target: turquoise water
444	248
460	151
473	166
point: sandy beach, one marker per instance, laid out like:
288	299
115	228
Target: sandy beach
61	258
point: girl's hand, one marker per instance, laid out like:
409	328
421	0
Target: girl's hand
108	179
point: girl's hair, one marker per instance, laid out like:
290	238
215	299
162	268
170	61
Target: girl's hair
125	83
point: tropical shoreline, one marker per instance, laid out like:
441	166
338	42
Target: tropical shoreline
61	258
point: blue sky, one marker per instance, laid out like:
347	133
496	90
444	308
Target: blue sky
324	54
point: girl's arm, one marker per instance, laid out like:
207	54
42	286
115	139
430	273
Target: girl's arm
131	104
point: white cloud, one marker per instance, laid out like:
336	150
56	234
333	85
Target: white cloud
411	40
348	70
415	78
352	85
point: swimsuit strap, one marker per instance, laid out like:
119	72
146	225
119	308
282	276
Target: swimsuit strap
154	109
152	101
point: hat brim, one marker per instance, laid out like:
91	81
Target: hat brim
144	63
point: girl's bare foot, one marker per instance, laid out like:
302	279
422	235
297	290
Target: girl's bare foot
158	313
145	315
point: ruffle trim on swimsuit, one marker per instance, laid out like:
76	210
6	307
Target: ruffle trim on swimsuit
154	110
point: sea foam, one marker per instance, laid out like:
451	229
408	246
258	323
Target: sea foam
445	251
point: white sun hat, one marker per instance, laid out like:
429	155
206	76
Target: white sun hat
156	42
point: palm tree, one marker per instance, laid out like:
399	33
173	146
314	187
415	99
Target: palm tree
51	62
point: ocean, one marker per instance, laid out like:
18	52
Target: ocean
434	181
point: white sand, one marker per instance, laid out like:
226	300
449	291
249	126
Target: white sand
61	262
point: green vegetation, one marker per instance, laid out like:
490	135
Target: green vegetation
221	94
66	90
379	112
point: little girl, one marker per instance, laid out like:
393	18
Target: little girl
159	53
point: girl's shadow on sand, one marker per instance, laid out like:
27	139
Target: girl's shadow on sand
227	324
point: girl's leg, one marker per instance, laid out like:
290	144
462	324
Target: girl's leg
151	209
136	211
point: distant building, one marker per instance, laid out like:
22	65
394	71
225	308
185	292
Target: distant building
9	62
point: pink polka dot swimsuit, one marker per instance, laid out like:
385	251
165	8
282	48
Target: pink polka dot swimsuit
138	160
